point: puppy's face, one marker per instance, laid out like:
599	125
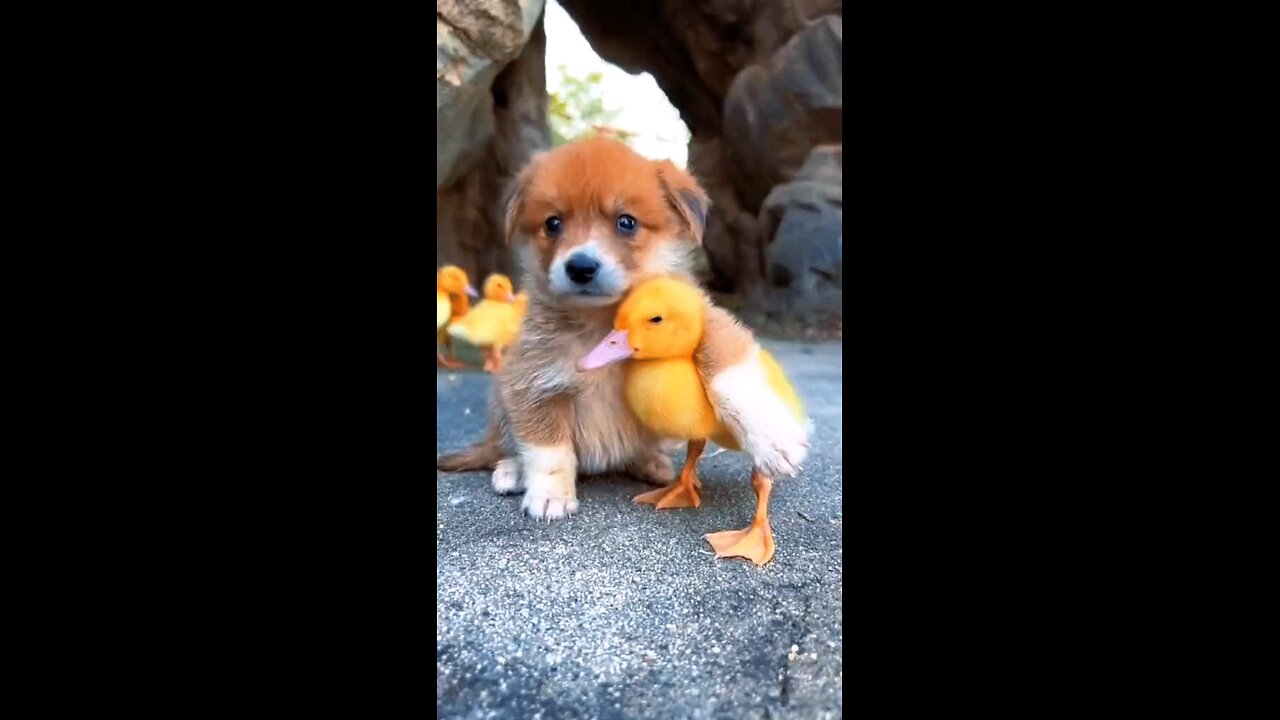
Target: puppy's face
598	217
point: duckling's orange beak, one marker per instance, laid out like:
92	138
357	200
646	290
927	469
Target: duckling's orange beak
471	290
511	297
611	349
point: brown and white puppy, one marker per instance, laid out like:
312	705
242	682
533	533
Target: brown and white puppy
589	220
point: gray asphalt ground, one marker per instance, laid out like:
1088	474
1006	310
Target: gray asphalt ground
623	611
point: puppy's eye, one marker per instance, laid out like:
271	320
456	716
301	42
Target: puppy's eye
554	226
626	224
655	319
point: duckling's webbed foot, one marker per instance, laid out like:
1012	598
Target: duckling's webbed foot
755	542
684	491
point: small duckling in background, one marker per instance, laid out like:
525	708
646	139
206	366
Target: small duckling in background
494	323
659	327
452	289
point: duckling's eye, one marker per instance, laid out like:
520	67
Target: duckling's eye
553	225
626	224
655	319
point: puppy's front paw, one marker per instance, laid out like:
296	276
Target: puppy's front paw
780	453
542	507
778	446
759	419
506	476
550	475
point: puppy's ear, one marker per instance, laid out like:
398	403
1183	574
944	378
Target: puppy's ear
685	196
516	194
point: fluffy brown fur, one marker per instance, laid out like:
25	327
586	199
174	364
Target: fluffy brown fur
555	420
725	342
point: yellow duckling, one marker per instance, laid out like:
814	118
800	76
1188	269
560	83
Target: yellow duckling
494	323
452	289
659	327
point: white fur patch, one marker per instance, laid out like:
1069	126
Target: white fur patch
550	475
506	476
670	256
760	420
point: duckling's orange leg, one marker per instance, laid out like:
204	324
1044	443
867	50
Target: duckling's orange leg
754	543
684	492
493	359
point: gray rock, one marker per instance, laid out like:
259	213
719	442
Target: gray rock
777	111
489	125
475	39
805	219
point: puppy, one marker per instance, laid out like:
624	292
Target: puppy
588	219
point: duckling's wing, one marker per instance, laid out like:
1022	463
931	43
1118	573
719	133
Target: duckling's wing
444	309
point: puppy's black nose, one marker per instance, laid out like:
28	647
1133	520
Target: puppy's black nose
581	268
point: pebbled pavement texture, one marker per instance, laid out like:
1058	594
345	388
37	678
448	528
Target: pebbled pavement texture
623	611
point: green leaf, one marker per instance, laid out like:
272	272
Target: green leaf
577	104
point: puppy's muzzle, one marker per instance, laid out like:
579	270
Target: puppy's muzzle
588	277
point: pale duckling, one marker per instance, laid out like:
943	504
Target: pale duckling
452	289
494	323
658	328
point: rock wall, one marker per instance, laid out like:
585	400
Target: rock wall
491	117
759	84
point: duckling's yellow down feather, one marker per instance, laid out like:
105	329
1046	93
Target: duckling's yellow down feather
670	399
490	323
